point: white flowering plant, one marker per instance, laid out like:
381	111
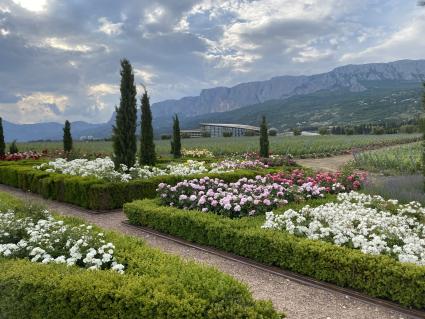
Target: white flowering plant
365	222
33	233
197	153
104	168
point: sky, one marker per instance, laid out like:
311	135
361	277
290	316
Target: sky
60	59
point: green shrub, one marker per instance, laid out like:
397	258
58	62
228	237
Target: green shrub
155	285
378	276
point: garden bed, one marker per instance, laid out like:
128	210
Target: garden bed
376	275
94	193
153	285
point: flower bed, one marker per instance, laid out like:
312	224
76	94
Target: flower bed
104	169
239	164
40	238
253	196
368	223
154	284
21	156
197	153
377	275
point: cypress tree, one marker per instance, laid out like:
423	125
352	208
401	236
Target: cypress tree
264	139
2	143
147	147
67	137
176	143
124	131
13	149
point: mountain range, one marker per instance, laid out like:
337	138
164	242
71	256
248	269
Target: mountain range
347	94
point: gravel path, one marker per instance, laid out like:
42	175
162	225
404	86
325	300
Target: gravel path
296	300
331	164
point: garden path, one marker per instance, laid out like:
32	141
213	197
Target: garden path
298	301
331	164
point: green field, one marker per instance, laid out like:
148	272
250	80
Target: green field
298	146
401	159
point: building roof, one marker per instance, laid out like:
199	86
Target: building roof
246	127
190	131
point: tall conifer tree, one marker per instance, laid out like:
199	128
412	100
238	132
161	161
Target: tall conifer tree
2	143
147	146
124	131
67	137
264	139
176	143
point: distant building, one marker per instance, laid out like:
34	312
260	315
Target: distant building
217	130
191	133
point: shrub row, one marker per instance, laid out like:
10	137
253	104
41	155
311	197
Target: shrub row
155	285
378	276
93	193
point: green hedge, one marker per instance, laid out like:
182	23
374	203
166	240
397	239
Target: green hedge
155	285
379	276
96	194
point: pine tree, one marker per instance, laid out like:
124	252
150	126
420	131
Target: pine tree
124	131
2	143
147	147
67	137
176	143
264	139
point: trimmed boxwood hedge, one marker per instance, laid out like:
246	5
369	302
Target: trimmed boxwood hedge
155	285
378	276
94	193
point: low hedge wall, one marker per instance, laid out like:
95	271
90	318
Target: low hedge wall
154	285
94	193
378	276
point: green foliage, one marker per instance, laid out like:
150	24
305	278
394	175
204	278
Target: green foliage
13	148
155	285
323	130
378	130
147	146
264	139
67	137
396	160
165	137
272	131
227	134
124	130
2	143
296	131
378	276
408	129
176	144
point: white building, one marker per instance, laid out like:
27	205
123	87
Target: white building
217	129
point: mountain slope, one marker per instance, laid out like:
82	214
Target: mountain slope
385	101
351	78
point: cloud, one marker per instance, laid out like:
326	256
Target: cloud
60	59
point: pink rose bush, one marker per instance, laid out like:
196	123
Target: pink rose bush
21	156
248	197
243	198
333	183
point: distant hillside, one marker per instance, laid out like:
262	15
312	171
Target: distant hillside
351	78
384	101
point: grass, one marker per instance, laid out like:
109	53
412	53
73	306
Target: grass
404	188
404	159
298	146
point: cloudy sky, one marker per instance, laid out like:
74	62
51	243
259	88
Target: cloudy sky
59	59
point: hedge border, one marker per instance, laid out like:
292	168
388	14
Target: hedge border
95	194
377	276
155	285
